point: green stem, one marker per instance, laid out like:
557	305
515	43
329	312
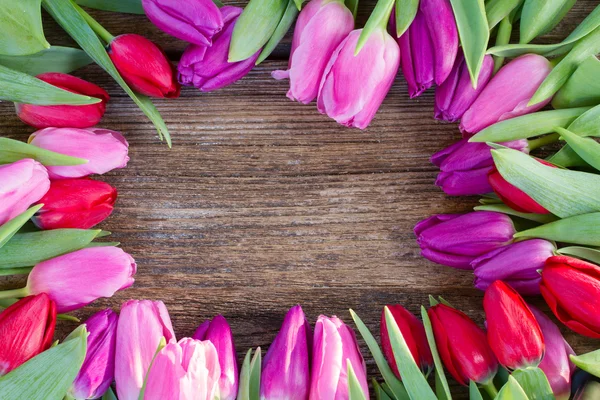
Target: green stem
544	140
490	389
502	37
96	27
8	294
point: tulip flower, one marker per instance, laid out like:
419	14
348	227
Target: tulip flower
513	332
462	345
506	95
516	264
195	21
104	149
207	68
285	370
144	66
464	167
75	203
413	331
26	329
334	346
98	369
456	240
188	369
571	287
353	87
64	115
22	183
218	332
142	325
320	28
556	363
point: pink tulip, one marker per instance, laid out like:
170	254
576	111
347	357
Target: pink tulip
353	87
22	183
104	149
320	28
142	325
186	370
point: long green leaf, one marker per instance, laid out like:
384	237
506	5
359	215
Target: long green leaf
354	389
585	253
379	18
582	88
249	383
244	382
21	27
439	367
380	393
13	150
122	6
406	10
579	229
288	18
534	383
567	158
352	6
255	372
588	149
10	228
504	209
497	10
589	362
161	345
474	393
512	391
109	395
540	16
503	35
587	123
54	59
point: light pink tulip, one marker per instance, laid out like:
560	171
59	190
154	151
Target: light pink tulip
334	346
353	87
186	370
320	28
22	183
104	149
142	325
76	279
507	94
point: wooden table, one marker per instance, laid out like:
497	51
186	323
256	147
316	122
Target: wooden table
263	203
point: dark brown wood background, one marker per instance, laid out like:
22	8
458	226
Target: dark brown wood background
263	203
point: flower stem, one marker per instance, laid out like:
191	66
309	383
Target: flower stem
14	293
544	140
490	389
96	27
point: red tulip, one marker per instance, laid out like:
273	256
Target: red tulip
26	329
513	332
571	287
75	203
144	66
462	345
63	116
413	331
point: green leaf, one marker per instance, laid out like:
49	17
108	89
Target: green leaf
249	383
406	10
244	382
587	123
567	158
588	149
354	389
161	344
378	20
288	18
299	4
589	362
433	301
512	391
589	391
497	10
579	229
440	378
474	33
540	16
255	372
54	59
49	374
122	6
586	253
534	383
380	393
582	88
504	209
352	6
21	27
502	37
13	150
10	228
109	395
474	393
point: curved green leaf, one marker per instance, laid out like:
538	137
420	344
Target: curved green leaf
586	148
377	20
474	393
589	362
21	27
587	123
13	150
567	158
586	253
540	16
504	209
54	59
582	88
249	386
497	10
406	10
440	378
354	389
580	229
534	383
380	393
122	6
10	228
512	391
288	18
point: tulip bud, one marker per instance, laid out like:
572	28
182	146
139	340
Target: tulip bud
144	66
26	329
195	21
320	28
464	167
22	183
98	369
462	345
334	346
285	371
104	149
506	95
516	264
218	332
103	269
571	288
456	240
413	332
142	325
64	115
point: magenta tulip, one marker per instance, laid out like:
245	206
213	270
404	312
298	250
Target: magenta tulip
22	183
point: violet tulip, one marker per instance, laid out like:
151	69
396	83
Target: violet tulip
353	87
516	264
104	149
207	68
142	325
335	346
218	332
464	167
64	115
320	28
456	240
571	287
506	95
98	369
22	183
285	371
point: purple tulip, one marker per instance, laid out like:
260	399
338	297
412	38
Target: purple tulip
353	87
285	372
207	68
195	21
98	370
516	264
218	332
456	94
320	28
22	183
456	240
464	167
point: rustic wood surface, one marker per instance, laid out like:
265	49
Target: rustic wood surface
263	203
